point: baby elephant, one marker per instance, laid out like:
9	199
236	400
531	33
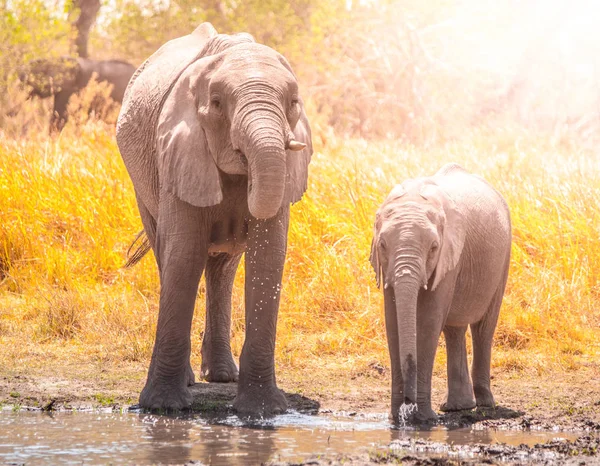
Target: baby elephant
442	249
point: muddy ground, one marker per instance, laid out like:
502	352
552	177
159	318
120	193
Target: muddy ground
558	401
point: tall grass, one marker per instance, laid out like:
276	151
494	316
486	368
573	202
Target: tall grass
68	214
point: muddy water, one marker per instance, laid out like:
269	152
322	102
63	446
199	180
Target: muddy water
105	437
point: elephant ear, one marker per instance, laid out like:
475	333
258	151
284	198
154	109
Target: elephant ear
374	257
452	238
297	161
186	166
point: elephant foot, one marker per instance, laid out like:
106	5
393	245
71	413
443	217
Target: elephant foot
259	401
458	403
484	397
165	396
404	415
223	372
191	378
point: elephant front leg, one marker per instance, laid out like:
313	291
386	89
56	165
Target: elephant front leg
258	394
217	360
59	112
432	309
181	253
391	329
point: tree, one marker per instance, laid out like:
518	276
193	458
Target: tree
88	11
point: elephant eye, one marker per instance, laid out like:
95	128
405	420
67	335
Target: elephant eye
382	245
215	102
434	247
294	102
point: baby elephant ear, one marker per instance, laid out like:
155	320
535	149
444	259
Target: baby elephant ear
375	262
452	240
186	166
397	191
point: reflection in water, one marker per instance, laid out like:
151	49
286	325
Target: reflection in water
173	439
167	438
105	437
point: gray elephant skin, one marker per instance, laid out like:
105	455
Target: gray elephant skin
62	77
215	139
441	248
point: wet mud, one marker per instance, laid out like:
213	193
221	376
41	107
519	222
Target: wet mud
583	451
566	411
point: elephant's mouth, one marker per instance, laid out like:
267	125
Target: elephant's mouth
249	182
243	160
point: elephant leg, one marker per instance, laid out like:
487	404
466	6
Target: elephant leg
432	310
258	394
217	360
181	249
149	223
483	336
428	335
460	390
59	112
391	330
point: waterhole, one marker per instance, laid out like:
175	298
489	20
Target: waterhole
108	437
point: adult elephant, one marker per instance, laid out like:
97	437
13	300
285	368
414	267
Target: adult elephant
217	144
62	77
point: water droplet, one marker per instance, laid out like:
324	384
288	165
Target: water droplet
405	411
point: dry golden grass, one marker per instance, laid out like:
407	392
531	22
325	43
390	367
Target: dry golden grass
68	214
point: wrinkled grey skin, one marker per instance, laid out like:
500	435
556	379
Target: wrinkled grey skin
62	77
203	132
441	247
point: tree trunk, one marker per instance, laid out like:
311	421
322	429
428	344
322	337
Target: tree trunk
88	11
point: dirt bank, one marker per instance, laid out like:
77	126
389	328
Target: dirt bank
563	400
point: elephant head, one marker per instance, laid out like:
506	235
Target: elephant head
47	77
236	109
418	239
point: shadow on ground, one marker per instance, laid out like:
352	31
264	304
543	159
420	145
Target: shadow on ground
216	399
469	417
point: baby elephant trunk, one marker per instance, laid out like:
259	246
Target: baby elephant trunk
407	291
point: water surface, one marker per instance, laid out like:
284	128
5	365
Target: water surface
105	437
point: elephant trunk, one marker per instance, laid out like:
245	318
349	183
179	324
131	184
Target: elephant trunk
406	290
260	136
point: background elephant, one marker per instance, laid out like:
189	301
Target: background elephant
62	77
442	249
206	131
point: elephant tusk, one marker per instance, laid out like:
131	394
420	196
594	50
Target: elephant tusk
296	145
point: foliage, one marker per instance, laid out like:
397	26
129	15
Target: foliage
29	29
297	28
420	71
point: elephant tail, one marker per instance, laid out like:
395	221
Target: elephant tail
138	249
